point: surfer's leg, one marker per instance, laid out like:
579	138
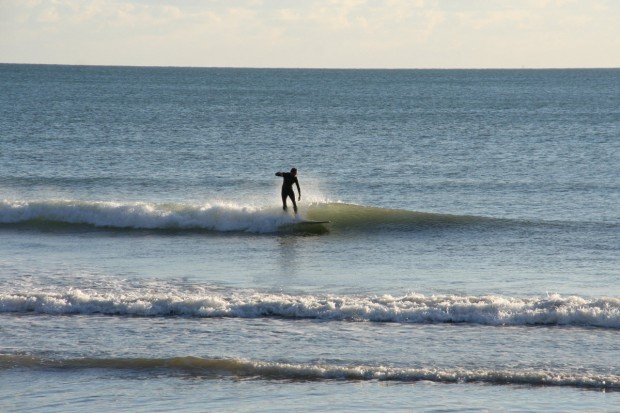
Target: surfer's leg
284	195
292	196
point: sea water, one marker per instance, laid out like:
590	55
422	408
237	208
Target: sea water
471	263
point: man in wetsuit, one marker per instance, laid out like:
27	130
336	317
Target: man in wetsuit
290	178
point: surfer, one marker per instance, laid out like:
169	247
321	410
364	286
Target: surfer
290	178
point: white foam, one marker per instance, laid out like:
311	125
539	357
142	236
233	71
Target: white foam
218	216
492	310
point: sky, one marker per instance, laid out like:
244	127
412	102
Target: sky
313	33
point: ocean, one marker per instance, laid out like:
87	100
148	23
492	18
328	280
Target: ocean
471	262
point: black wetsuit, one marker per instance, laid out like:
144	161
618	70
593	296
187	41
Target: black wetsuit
287	188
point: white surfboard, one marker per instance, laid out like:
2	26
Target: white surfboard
310	222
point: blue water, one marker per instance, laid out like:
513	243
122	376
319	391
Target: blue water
471	261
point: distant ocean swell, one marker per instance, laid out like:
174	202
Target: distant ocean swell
412	308
241	368
221	216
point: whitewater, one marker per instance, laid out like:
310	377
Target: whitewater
412	308
140	215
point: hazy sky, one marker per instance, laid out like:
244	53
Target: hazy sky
313	33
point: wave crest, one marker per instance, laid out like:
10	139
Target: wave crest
412	308
241	368
141	215
222	216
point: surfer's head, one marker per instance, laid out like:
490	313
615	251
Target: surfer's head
293	171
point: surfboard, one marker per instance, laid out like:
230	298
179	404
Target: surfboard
310	222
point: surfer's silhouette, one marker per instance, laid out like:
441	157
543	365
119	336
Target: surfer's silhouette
290	178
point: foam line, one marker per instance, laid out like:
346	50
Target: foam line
412	308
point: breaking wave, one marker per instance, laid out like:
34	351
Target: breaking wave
220	216
414	308
140	215
242	368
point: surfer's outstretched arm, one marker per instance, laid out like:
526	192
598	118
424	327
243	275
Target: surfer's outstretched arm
278	173
298	189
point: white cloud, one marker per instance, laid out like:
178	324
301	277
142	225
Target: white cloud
347	33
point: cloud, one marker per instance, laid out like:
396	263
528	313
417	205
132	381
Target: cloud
346	33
